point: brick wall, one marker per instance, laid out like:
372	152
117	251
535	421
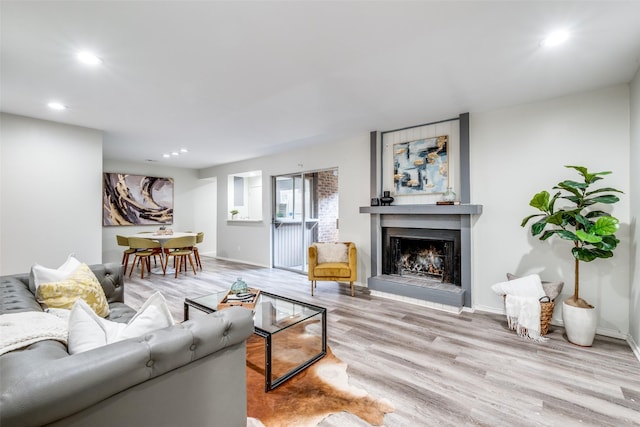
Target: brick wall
328	206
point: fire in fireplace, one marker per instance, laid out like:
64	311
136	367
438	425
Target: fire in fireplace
428	254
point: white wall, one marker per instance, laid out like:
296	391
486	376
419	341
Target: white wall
193	208
634	194
50	187
251	241
519	151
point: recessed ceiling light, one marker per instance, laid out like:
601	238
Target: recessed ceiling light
556	38
88	58
57	106
184	150
166	156
174	153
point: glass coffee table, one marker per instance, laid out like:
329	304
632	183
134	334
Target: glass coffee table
293	333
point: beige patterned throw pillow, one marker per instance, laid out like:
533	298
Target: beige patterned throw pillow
81	284
332	252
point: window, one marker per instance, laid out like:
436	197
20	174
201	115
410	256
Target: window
245	196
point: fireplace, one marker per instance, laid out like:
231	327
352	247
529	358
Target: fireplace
422	252
430	255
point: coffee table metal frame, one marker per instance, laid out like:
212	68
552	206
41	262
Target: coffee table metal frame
208	304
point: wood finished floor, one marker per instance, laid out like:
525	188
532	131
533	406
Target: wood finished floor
438	368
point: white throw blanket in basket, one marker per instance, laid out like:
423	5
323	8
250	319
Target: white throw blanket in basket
522	305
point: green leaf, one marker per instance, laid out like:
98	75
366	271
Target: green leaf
595	214
526	220
573	186
548	234
602	190
607	198
569	217
588	237
540	201
584	221
567	235
552	203
599	253
608	243
537	227
573	199
555	219
583	254
581	169
606	225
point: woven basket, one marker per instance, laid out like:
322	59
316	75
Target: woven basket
546	311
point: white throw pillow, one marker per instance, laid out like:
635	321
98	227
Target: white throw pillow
332	252
41	274
88	331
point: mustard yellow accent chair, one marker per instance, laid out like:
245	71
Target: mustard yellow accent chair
336	262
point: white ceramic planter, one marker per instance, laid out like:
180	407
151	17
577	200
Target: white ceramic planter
580	324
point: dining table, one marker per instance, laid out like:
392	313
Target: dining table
162	238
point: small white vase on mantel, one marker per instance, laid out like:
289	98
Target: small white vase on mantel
449	195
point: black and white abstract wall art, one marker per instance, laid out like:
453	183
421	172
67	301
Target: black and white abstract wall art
136	199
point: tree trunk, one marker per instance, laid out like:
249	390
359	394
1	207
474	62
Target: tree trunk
576	286
575	300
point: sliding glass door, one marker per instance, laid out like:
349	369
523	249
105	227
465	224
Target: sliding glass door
305	210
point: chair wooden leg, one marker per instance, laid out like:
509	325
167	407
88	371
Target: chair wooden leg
177	261
142	265
133	264
198	261
312	286
352	289
193	267
125	260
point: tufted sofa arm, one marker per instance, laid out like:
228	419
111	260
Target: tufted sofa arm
59	388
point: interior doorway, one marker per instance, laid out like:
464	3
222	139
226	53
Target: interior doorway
305	210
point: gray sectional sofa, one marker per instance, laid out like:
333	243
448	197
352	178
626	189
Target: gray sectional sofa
192	373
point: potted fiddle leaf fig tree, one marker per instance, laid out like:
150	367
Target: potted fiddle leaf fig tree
591	232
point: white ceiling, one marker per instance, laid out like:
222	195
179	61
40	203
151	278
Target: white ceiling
231	80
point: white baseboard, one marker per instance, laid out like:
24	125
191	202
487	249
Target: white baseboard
488	309
634	347
599	331
242	261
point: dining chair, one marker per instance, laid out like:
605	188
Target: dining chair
145	249
181	249
196	253
124	241
155	256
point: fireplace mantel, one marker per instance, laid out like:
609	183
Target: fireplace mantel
461	209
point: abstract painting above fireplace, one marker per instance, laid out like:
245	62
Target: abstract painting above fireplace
428	255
